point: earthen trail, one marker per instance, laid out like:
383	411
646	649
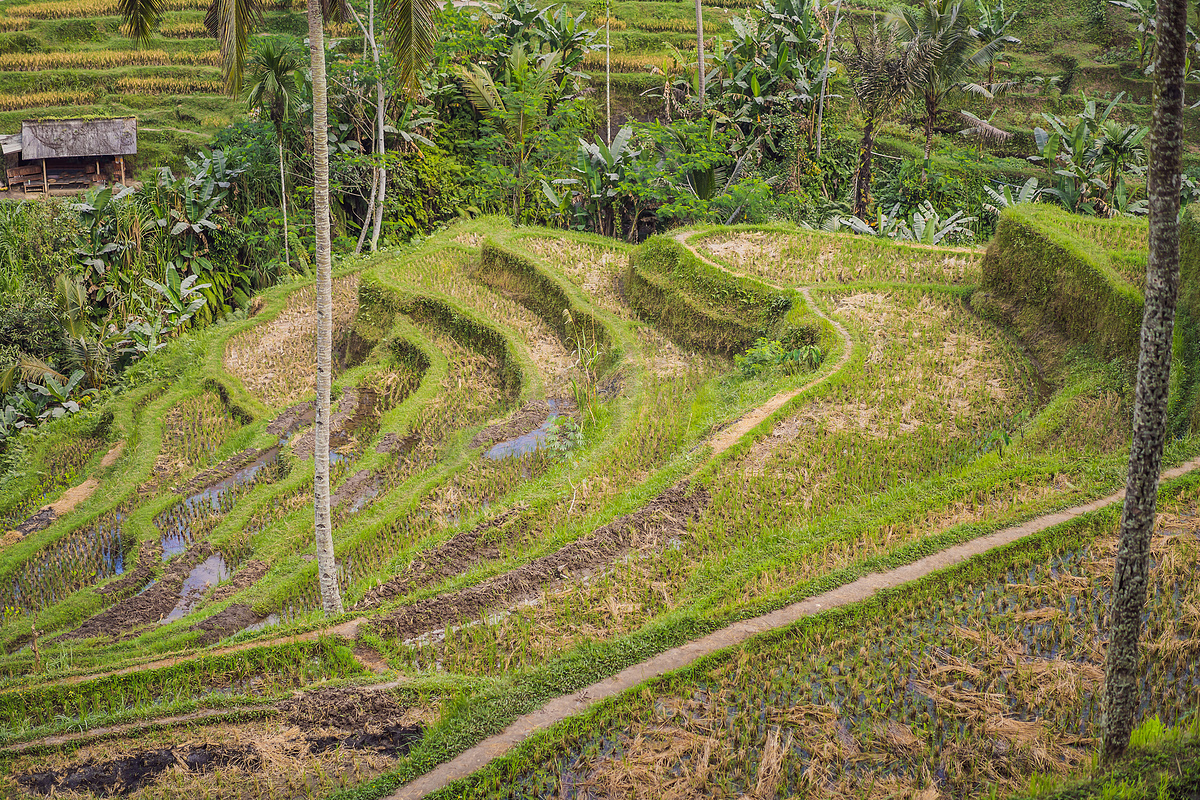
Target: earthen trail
560	708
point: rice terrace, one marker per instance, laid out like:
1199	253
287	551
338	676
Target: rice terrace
576	420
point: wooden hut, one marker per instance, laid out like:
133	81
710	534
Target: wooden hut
72	154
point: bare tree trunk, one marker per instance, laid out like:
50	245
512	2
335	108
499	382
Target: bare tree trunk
700	50
608	70
825	77
930	117
287	260
370	215
1130	580
379	178
331	599
380	143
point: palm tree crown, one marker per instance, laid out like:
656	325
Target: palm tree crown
942	28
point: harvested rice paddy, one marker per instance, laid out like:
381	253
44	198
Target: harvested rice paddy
539	480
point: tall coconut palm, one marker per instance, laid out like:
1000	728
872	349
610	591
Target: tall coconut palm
882	76
943	28
1122	679
331	599
273	91
411	31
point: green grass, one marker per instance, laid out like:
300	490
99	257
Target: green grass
935	431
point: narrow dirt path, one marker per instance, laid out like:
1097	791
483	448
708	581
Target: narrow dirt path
728	436
560	708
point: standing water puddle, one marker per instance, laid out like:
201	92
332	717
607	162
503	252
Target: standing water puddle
203	576
181	521
90	555
526	443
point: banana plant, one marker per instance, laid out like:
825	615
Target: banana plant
1028	193
99	248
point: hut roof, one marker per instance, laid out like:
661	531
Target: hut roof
61	138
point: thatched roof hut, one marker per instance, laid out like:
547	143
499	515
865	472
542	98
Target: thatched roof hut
70	153
78	138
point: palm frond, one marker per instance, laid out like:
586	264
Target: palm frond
480	89
28	368
411	35
983	128
139	18
230	22
335	10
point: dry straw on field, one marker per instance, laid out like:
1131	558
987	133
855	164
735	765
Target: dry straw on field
275	360
184	30
103	59
13	102
168	86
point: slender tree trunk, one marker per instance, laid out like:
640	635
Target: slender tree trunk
380	142
931	109
700	50
608	70
287	260
1130	580
825	77
862	175
379	174
331	599
370	215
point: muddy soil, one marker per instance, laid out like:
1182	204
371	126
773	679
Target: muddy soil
355	409
226	623
391	741
128	774
461	552
219	472
663	518
122	776
528	418
293	419
237	616
371	711
148	607
148	557
361	484
395	443
246	576
33	523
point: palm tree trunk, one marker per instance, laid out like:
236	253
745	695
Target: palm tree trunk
862	175
331	599
700	50
1131	577
931	109
287	260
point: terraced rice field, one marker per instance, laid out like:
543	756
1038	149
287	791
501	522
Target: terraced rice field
548	467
